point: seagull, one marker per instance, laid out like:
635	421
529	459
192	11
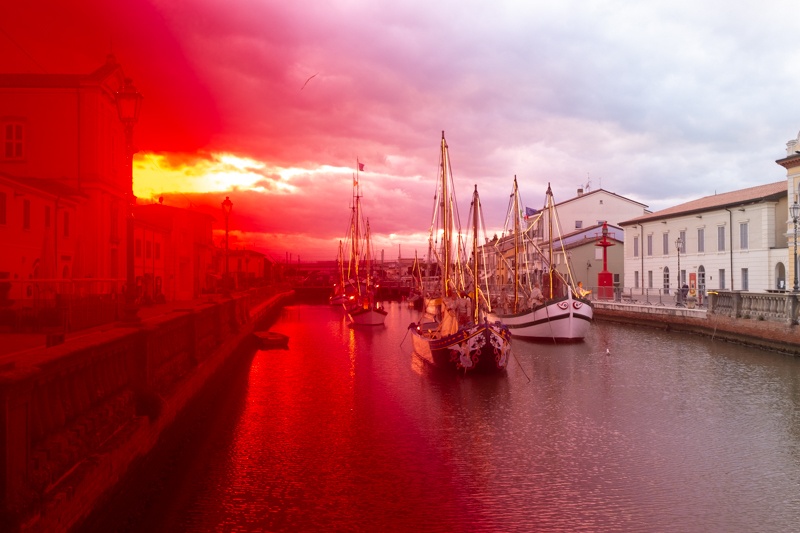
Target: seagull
608	352
308	80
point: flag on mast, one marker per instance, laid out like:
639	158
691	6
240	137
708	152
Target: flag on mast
360	165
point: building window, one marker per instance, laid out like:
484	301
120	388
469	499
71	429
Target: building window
66	224
636	246
113	219
682	237
26	214
114	267
649	279
47	216
721	238
743	243
158	250
665	243
721	278
148	249
3	200
701	279
649	245
13	140
138	252
745	281
701	240
636	279
578	224
666	280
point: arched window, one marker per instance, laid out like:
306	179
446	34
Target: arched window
666	280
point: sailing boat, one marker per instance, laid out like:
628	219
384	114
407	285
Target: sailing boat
363	309
458	335
361	306
339	296
546	304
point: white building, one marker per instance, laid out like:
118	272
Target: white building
731	241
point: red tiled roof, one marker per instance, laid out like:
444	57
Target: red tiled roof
768	192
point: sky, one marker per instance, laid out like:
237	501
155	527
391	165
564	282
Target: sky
272	103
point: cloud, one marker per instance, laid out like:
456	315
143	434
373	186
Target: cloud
658	101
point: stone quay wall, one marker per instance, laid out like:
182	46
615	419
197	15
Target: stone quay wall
74	417
764	320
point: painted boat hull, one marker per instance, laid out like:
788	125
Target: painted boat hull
370	316
484	347
564	320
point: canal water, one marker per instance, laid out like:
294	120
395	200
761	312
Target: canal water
635	429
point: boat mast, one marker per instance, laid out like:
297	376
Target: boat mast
549	205
368	257
445	210
475	207
516	245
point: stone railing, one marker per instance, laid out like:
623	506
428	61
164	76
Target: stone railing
73	416
774	307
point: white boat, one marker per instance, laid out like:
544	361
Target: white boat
458	334
541	303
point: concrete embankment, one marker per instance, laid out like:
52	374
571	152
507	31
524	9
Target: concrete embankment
75	417
773	335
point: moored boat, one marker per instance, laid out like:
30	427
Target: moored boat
455	332
542	303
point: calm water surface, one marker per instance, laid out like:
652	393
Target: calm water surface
632	430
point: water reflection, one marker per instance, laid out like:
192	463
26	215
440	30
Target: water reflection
632	430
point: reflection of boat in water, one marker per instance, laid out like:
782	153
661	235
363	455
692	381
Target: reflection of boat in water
458	334
542	303
271	339
361	305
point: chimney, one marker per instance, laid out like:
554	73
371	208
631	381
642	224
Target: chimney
580	191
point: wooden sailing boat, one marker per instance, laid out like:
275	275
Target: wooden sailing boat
340	296
545	304
361	306
458	334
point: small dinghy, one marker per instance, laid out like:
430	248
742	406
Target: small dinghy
271	339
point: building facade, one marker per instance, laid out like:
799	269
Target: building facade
730	241
65	197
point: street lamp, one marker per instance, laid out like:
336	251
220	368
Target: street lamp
795	212
679	245
129	104
227	205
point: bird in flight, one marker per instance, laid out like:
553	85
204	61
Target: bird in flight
308	80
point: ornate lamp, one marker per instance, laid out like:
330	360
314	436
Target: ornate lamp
227	205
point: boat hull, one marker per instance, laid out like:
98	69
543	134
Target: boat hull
370	316
482	347
564	320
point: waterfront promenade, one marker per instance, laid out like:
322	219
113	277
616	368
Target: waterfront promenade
13	345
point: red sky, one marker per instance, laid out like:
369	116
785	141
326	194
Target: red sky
271	102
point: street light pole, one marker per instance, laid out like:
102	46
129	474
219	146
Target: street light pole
227	205
678	245
129	104
795	212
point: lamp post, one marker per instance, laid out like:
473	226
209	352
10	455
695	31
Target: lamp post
678	245
795	212
129	104
227	205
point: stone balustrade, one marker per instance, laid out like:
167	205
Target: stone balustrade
774	307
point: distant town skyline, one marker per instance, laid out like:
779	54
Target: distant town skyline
273	103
